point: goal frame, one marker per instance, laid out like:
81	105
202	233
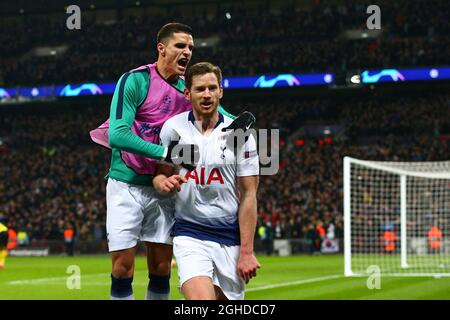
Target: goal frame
378	165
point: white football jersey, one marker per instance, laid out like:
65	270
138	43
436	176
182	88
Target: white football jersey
207	206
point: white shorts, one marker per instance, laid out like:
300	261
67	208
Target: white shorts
207	258
135	213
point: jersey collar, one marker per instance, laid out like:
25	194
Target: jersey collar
191	118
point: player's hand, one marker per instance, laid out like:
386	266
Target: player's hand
247	266
172	183
244	121
239	130
185	155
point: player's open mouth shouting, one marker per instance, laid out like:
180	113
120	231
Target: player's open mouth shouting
182	63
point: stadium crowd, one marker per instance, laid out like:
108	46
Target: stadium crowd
254	40
52	175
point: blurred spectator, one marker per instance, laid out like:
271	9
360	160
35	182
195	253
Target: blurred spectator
312	239
69	239
265	232
22	238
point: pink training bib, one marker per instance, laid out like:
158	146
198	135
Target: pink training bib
163	102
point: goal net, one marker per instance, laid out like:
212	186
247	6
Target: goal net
397	217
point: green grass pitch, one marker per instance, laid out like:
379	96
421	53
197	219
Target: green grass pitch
290	278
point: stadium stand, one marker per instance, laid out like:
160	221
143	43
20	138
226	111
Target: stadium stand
278	37
52	175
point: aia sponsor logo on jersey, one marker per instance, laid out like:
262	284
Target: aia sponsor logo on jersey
200	177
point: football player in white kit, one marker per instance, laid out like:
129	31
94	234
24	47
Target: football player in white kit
215	206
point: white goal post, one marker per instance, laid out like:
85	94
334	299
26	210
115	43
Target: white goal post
396	217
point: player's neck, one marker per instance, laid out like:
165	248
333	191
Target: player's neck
206	123
165	73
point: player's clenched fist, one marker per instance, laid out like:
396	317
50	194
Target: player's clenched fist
247	266
170	184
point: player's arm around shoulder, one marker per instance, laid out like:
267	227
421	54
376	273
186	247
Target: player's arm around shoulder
247	263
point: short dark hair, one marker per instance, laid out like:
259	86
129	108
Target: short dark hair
169	29
202	68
